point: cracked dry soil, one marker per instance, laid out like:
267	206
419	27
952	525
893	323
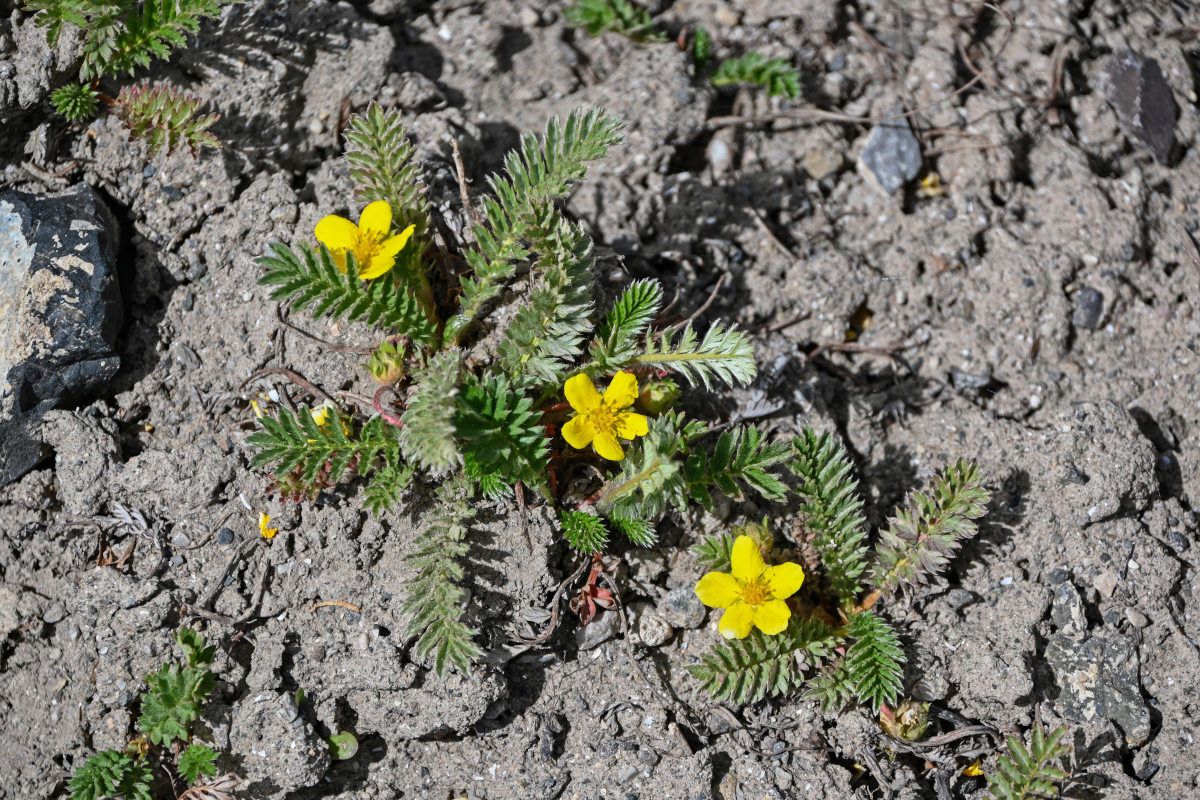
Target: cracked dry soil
1077	603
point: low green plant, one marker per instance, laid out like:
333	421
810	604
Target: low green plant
775	75
842	650
617	16
120	37
1030	773
478	426
175	695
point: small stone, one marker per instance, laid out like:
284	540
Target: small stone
720	155
1089	308
225	536
648	755
1136	618
626	773
605	626
892	154
180	540
646	566
1067	611
653	630
1098	677
55	613
1135	87
959	598
682	609
822	162
1106	583
964	381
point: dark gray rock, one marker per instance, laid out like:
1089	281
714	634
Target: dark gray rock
1098	679
1067	612
892	153
1089	308
682	609
60	311
1137	90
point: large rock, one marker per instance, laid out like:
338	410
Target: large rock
60	311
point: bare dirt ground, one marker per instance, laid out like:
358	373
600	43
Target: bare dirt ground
1077	604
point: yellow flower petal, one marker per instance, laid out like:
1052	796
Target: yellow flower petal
579	432
746	559
719	590
263	520
379	265
337	233
581	393
784	579
376	219
339	258
622	392
608	447
772	617
631	424
394	245
737	622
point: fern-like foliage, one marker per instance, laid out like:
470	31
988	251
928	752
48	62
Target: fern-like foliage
584	532
177	692
617	16
634	527
723	353
75	101
391	478
741	457
651	478
313	281
747	670
501	431
382	168
165	118
111	773
292	440
874	661
773	74
427	437
925	533
831	510
521	216
433	597
1030	774
197	760
546	335
122	35
715	553
702	48
618	336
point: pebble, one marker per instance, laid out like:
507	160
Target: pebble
605	626
225	536
822	163
653	630
180	540
1136	89
892	154
626	773
55	613
1089	308
682	609
1136	618
647	755
720	156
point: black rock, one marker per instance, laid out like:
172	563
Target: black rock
1089	308
60	311
1099	679
1136	89
892	153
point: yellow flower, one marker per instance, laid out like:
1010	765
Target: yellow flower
263	520
975	770
603	421
753	595
374	251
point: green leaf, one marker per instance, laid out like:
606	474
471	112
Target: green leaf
628	321
741	457
501	431
874	660
702	47
584	532
747	670
1030	774
714	553
110	773
196	649
292	440
75	101
832	511
173	701
618	16
197	760
165	118
343	746
312	280
773	74
427	437
724	353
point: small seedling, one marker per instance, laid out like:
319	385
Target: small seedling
1030	774
775	75
122	36
616	16
175	695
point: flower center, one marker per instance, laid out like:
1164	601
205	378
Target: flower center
365	247
604	419
756	591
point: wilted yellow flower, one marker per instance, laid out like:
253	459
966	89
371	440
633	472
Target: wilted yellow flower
975	770
374	250
753	596
603	421
263	520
